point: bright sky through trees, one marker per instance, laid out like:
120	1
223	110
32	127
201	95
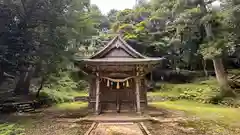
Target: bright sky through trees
107	5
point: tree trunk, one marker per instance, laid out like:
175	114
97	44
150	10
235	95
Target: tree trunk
204	67
217	62
23	84
40	88
221	76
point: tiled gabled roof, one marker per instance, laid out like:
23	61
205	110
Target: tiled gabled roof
115	43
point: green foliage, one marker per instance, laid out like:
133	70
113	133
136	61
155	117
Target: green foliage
115	26
203	91
112	15
63	88
126	28
125	16
141	27
206	91
209	50
189	14
40	32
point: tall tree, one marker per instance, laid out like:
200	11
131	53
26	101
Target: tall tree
38	34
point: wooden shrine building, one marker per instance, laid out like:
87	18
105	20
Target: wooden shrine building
117	78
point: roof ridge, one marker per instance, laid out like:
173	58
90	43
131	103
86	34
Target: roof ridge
124	43
131	48
104	48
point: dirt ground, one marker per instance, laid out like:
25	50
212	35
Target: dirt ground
55	122
49	122
52	127
172	128
168	123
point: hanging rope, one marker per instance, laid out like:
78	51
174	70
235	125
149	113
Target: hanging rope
118	81
127	84
108	83
118	85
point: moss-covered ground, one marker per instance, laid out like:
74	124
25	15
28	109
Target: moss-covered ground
208	119
196	100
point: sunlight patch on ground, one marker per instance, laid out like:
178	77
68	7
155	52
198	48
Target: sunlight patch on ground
71	106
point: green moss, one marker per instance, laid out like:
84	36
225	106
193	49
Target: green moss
71	106
222	114
10	129
208	127
234	71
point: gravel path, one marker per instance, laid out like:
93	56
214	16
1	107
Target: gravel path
117	129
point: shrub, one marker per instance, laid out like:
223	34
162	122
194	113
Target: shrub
202	91
63	90
206	91
204	95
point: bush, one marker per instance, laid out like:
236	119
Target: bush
201	91
206	91
64	89
82	85
204	95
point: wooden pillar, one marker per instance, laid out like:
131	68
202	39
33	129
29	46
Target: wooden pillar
90	93
137	80
145	92
97	95
118	102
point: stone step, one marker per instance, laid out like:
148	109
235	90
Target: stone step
18	107
25	107
26	110
128	128
116	119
